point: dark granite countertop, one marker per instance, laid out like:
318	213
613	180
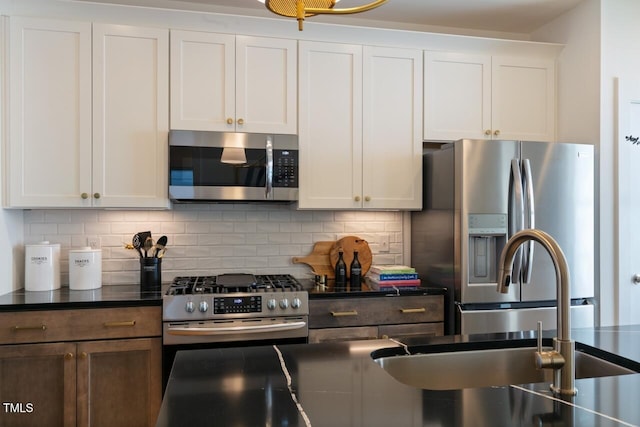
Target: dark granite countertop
64	298
338	384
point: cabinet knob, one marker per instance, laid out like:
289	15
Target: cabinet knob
367	198
240	122
83	355
68	356
229	121
96	195
487	132
357	198
84	195
636	279
496	133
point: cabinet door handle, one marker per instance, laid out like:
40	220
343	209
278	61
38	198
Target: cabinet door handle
344	313
120	324
496	133
412	310
96	195
367	198
84	196
240	122
68	356
229	121
41	327
487	132
357	198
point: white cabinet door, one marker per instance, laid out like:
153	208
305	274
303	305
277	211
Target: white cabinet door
49	139
392	128
478	96
202	81
457	96
222	82
330	125
130	116
266	85
523	99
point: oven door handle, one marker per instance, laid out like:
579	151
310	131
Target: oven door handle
221	330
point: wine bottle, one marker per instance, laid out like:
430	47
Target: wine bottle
341	273
355	272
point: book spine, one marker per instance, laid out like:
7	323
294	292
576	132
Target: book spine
378	270
394	276
409	282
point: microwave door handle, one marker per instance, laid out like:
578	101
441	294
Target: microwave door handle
268	194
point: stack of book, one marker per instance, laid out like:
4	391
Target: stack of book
392	276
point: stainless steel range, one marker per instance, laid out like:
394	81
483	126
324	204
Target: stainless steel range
234	307
231	310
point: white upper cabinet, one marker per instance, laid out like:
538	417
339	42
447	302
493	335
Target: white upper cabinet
330	126
87	130
48	156
130	116
392	128
480	96
223	82
360	129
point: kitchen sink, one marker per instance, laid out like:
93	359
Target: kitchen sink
470	365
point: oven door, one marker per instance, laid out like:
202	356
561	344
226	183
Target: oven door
252	329
232	166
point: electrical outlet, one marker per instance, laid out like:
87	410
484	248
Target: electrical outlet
383	243
93	242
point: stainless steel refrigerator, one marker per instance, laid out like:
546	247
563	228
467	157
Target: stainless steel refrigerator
480	192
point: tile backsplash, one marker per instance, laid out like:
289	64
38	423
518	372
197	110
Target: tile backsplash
213	238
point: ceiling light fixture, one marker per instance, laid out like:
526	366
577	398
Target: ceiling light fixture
301	9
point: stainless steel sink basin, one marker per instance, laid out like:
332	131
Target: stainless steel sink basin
453	370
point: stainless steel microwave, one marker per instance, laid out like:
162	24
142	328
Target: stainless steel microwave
227	166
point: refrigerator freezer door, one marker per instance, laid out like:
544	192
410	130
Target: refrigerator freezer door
520	319
563	184
482	171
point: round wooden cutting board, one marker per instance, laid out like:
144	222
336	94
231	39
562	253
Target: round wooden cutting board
348	245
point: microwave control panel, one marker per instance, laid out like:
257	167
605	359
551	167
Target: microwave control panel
285	168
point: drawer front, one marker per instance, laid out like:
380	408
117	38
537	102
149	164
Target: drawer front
80	324
414	329
375	311
342	334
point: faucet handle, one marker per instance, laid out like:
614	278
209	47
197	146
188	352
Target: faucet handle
539	336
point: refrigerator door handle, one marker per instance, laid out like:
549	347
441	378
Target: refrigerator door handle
530	220
516	213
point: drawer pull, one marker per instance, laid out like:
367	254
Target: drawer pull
120	324
344	313
42	327
412	310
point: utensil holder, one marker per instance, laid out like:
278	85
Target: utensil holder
150	274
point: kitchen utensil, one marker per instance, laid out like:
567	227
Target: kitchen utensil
148	244
139	239
349	244
160	245
318	259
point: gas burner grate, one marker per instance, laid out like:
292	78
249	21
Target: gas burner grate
186	285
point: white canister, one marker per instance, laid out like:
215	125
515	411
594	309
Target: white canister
85	268
42	267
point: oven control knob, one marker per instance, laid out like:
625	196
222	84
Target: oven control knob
284	303
271	304
296	303
190	307
203	307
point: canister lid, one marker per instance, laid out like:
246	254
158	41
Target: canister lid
44	243
85	249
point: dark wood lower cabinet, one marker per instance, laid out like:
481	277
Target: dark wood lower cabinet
339	319
102	382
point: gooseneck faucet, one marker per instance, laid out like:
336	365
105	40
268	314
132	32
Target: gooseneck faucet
562	358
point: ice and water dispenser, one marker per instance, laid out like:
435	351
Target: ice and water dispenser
487	237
